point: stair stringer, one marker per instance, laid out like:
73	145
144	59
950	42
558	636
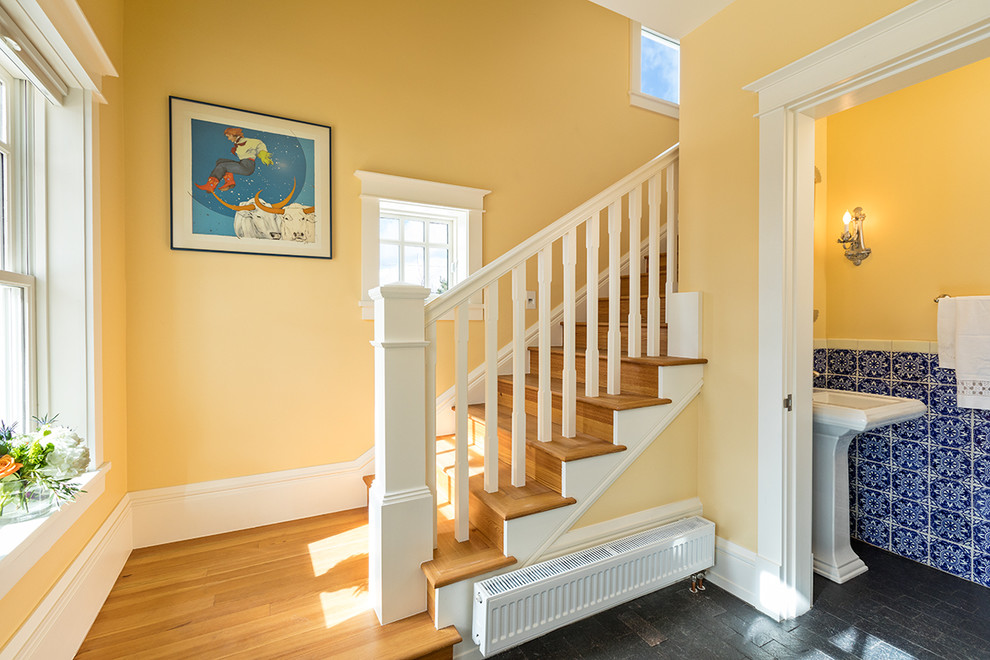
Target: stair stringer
586	480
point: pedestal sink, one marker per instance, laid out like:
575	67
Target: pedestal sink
838	416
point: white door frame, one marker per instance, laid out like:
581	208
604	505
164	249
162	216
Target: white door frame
925	39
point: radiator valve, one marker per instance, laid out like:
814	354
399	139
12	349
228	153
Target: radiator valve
697	582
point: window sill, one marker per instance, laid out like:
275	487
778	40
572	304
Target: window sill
22	544
654	104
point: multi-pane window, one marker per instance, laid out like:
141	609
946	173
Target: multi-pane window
417	245
16	280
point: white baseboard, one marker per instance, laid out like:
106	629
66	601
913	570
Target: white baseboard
736	571
164	515
61	621
609	530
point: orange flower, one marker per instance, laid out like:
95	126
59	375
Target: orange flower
8	466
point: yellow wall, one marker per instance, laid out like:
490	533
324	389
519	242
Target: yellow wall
106	17
719	218
666	472
248	364
822	242
915	160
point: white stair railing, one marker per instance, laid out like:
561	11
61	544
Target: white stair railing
658	177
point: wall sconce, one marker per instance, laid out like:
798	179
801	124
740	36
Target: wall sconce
852	241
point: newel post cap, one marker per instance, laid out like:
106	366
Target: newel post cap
400	291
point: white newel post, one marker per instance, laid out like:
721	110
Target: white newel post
400	505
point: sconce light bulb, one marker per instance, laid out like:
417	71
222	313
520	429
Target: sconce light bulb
846	219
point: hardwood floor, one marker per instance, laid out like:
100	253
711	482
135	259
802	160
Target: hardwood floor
292	590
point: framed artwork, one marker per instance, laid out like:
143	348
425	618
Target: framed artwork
249	183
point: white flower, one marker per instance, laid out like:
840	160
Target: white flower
71	455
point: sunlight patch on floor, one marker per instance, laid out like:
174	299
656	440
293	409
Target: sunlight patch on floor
866	646
339	606
327	553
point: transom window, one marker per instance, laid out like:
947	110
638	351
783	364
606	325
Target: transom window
417	245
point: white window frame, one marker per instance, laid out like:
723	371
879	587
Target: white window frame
636	95
467	203
454	219
63	254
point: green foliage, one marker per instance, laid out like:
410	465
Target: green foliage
31	478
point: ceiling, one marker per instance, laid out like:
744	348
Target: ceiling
673	18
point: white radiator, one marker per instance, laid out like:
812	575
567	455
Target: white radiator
516	607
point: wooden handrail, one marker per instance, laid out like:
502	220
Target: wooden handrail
491	272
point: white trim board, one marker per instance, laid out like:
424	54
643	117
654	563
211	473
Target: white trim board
58	626
164	515
627	525
924	39
736	570
25	542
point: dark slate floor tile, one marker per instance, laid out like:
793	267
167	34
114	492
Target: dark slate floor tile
898	610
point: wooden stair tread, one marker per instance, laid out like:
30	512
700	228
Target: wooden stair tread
510	501
454	561
657	360
413	637
580	446
603	400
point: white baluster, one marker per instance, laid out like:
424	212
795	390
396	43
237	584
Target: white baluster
653	299
569	375
671	229
431	419
635	316
614	349
544	400
491	387
519	375
461	522
591	241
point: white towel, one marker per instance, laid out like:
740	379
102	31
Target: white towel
946	328
972	347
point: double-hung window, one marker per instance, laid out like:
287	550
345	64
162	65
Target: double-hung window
17	282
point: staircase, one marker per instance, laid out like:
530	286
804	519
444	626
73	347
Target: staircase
542	428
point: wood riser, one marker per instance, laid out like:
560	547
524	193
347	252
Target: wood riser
591	419
540	466
644	284
635	378
624	309
581	329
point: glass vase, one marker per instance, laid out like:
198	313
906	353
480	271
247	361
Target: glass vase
22	500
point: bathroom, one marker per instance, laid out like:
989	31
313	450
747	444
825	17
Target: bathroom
915	161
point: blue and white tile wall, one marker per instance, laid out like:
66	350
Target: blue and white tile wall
920	489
